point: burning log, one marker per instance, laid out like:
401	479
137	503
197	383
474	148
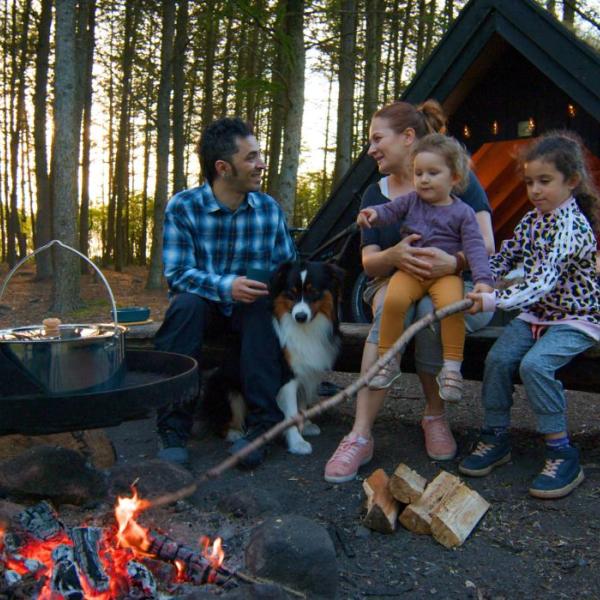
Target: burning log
198	568
65	578
382	507
406	485
86	541
142	585
40	521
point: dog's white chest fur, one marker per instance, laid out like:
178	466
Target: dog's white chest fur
310	346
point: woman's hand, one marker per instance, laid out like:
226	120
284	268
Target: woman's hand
366	217
422	263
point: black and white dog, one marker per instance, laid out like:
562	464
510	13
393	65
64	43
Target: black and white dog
305	302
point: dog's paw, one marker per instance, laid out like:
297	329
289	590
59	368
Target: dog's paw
233	435
311	429
300	446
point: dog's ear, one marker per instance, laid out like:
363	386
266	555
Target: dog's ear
278	280
336	275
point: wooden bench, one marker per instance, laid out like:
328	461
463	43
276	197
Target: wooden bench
581	374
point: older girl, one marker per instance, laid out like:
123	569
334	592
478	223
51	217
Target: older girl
559	299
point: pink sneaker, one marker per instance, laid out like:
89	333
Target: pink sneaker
439	441
351	454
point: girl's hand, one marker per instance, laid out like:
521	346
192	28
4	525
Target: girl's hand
366	217
482	288
477	303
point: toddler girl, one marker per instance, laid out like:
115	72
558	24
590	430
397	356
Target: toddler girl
440	165
559	297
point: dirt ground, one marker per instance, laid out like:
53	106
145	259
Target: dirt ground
523	547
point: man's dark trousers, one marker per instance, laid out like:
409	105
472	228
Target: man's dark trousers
188	321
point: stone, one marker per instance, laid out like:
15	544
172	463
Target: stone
154	478
296	552
52	473
94	445
257	591
249	503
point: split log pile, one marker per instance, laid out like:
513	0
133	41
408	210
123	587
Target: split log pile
446	508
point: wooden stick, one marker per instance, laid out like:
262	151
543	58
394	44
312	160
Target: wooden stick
324	405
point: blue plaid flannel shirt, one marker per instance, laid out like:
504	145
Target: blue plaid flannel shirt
206	245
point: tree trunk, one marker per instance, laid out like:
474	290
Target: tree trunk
66	152
144	232
346	75
373	45
87	89
162	145
399	67
278	103
226	58
208	110
132	11
294	19
109	237
569	9
43	260
449	13
19	75
181	43
421	27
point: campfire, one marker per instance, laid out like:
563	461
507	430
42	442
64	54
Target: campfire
42	559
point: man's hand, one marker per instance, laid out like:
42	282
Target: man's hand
247	290
477	303
366	217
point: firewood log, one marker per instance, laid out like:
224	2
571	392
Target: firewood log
382	507
455	517
406	485
417	516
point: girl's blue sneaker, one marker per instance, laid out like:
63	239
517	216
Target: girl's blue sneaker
491	451
560	476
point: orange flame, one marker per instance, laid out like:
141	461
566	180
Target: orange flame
214	554
131	534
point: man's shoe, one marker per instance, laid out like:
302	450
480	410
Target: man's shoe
350	455
439	441
173	447
256	457
560	476
386	375
491	451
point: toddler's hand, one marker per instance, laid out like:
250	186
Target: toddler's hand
477	303
482	288
366	217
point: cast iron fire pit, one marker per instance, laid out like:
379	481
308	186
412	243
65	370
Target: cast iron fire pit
151	380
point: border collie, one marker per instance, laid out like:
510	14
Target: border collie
305	302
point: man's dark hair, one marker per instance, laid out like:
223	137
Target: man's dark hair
219	142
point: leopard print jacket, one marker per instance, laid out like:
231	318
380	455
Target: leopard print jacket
558	252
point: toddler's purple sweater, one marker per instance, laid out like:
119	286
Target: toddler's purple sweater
451	228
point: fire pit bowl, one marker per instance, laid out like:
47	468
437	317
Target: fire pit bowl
151	380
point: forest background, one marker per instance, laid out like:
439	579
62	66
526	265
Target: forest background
102	103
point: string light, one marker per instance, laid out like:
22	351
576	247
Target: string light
495	128
466	131
531	124
571	110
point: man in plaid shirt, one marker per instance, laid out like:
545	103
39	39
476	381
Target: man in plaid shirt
213	235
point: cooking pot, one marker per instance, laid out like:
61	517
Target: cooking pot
67	358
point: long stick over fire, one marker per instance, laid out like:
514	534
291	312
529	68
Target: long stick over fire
322	406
